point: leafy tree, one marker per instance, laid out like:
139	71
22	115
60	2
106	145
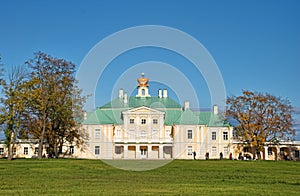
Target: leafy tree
261	118
53	88
13	106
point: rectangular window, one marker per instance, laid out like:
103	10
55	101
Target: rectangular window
143	135
36	150
213	135
118	149
270	151
225	135
97	150
297	154
214	151
168	134
1	151
143	121
190	150
225	150
118	134
190	134
154	134
155	121
60	150
131	134
71	150
131	121
14	151
25	150
97	133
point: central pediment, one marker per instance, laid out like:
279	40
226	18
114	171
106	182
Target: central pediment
143	110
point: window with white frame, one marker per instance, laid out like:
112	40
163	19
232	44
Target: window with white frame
225	149
190	134
97	133
155	121
154	134
131	121
131	134
97	150
214	151
118	134
225	135
167	134
71	150
118	149
213	135
36	150
190	150
25	150
143	134
143	121
1	151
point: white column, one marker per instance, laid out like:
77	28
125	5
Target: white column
149	152
266	152
277	153
149	131
137	152
137	128
125	151
161	152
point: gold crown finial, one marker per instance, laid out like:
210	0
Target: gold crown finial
143	81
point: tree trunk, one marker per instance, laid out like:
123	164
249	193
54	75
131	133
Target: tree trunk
41	141
10	152
11	146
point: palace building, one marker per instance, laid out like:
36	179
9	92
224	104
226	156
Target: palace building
154	127
157	127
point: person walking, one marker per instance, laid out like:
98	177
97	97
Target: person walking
194	153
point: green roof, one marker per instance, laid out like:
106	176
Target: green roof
111	113
135	102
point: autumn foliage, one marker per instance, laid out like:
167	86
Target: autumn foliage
261	118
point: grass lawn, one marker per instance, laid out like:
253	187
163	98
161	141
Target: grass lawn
179	177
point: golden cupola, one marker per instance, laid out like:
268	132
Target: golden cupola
143	90
143	81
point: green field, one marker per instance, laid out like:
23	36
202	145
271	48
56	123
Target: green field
180	177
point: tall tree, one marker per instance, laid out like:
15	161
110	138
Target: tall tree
13	106
261	118
53	87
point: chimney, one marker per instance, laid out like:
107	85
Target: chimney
121	93
186	105
215	109
125	98
84	116
165	93
159	93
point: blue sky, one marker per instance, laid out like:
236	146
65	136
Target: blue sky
255	44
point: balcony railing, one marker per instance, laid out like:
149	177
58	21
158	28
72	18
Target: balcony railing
143	140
